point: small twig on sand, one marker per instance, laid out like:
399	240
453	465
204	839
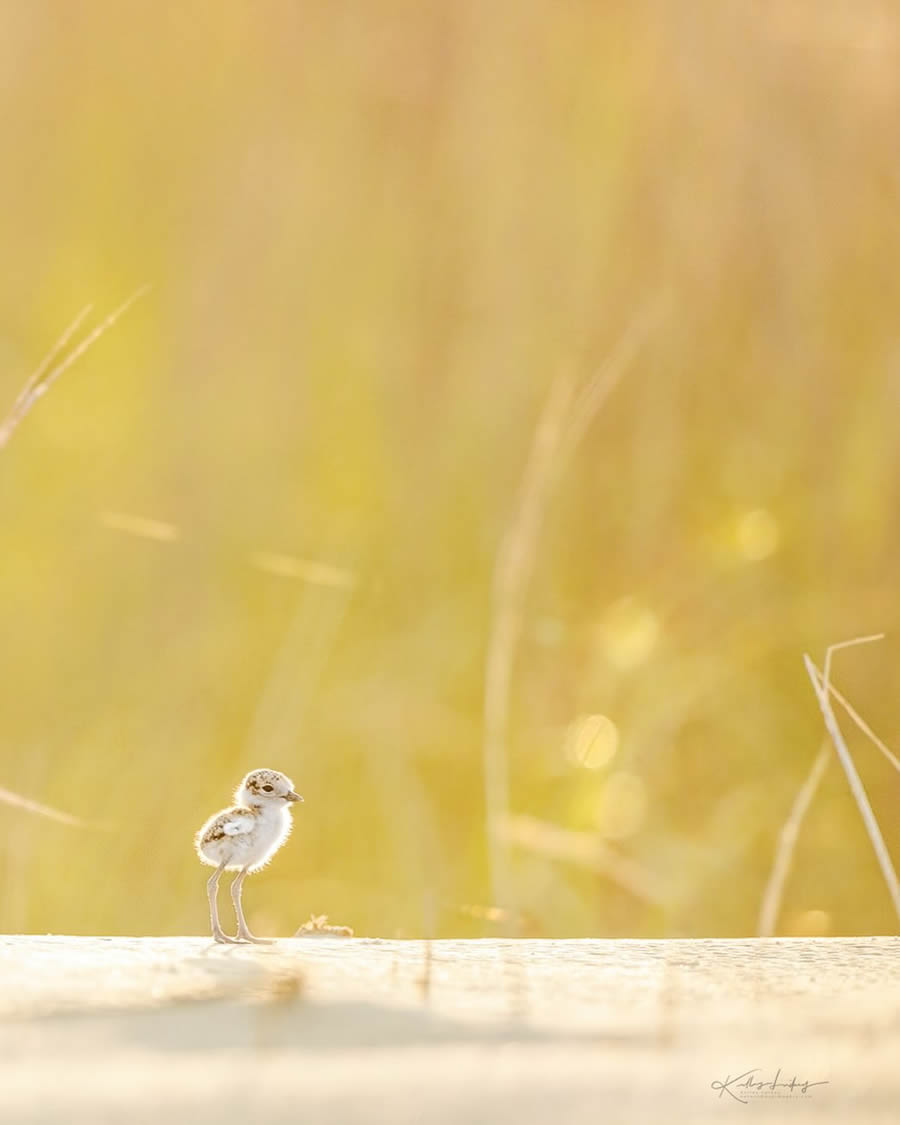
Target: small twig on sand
318	926
821	686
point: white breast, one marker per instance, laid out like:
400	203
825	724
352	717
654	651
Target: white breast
241	837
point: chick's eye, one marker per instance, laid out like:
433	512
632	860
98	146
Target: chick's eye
267	788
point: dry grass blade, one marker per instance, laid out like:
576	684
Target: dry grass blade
563	423
511	572
17	801
585	849
864	726
42	380
821	686
312	571
36	385
306	570
599	388
853	643
787	843
139	526
290	686
28	393
90	339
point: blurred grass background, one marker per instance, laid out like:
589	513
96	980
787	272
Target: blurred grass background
377	234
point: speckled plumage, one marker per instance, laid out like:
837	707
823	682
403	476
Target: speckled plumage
244	838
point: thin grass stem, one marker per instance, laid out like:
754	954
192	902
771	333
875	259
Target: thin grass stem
40	381
787	844
821	687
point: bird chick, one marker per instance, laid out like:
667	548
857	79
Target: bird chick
244	838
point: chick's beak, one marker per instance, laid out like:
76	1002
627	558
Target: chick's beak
292	796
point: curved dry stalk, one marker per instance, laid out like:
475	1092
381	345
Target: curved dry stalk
511	572
601	385
563	423
852	643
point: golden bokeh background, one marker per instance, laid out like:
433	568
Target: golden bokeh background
259	523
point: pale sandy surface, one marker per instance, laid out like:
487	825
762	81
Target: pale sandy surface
179	1031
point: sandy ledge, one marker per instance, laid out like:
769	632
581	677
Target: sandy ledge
330	1030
